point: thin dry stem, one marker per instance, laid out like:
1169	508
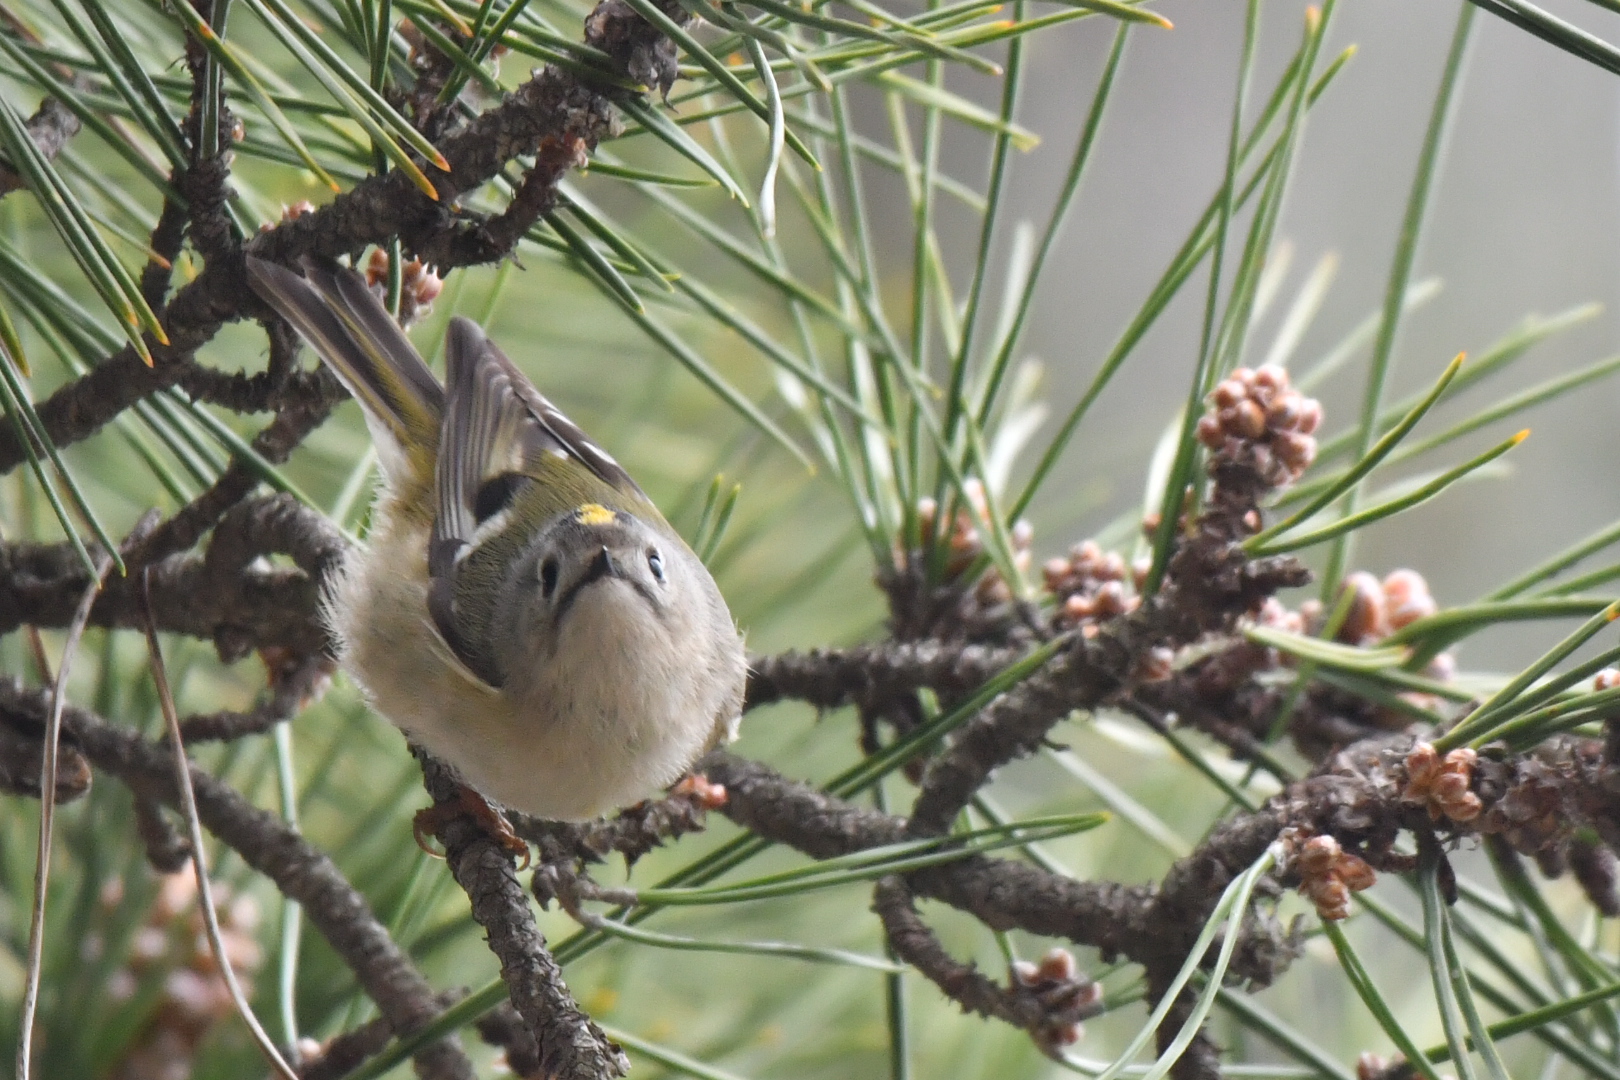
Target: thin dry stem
47	811
199	858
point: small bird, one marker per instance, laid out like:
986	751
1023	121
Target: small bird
521	608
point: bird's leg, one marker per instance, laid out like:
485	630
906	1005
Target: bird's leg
469	802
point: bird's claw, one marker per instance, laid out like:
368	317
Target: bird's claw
468	802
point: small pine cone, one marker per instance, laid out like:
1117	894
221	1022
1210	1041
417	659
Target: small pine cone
1110	599
1452	799
1057	574
1368	618
1283	411
1331	897
1356	873
1228	392
1309	418
1328	874
1269	380
1318	857
1422	766
377	268
963	540
973	491
1442	784
1088	585
1451	794
992	589
1065	995
1057	965
1407	599
1246	419
1078	608
1257	420
420	284
1310	611
1295	452
1139	572
1272	613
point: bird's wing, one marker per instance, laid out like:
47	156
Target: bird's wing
497	428
500	435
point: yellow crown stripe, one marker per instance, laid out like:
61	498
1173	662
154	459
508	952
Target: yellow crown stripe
594	514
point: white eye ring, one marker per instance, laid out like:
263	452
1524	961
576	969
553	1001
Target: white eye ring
655	563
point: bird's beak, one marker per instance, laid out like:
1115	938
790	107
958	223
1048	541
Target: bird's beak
601	567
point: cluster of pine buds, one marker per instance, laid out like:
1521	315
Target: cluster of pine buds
700	790
1275	614
1089	587
1328	874
172	946
419	286
1442	784
1223	673
1065	995
1256	419
964	542
1379	608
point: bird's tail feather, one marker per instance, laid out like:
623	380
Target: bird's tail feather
345	323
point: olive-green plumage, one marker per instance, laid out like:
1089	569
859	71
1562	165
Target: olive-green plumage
522	608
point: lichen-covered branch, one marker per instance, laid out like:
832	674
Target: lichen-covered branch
571	1046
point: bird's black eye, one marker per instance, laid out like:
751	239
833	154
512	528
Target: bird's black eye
655	563
548	578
